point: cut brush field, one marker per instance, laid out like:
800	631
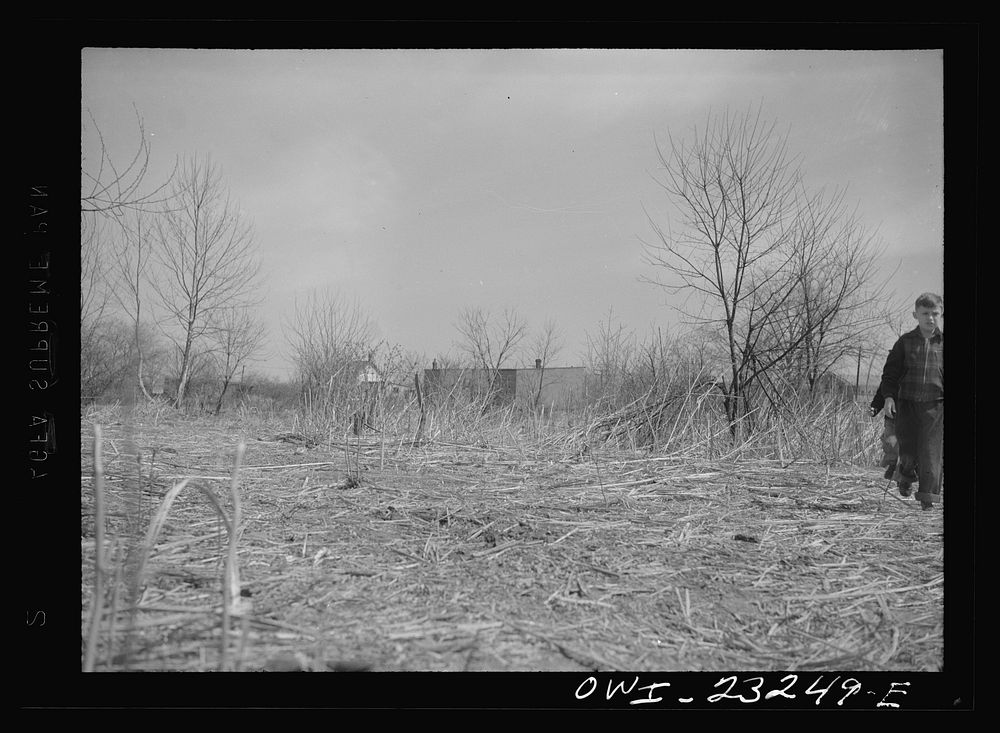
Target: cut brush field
512	552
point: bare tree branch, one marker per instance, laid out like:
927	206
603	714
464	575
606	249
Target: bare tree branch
488	343
94	293
111	191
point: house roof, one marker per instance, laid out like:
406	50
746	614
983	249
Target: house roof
364	370
470	370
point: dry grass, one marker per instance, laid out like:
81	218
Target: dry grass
518	553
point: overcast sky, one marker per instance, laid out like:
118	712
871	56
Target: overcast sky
424	181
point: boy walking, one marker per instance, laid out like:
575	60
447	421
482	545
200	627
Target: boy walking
913	387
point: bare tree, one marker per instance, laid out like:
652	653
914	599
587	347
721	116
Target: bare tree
545	346
207	260
749	236
131	261
488	343
736	190
655	363
325	334
238	336
610	355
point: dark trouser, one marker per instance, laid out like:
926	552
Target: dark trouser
920	431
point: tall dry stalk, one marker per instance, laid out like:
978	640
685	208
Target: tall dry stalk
231	583
97	602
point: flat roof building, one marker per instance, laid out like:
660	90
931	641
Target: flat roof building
539	385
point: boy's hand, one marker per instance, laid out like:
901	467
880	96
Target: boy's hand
890	407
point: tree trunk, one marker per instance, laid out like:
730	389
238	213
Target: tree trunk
541	384
222	394
185	376
138	351
185	363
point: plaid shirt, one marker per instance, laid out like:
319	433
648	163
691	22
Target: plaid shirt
915	368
